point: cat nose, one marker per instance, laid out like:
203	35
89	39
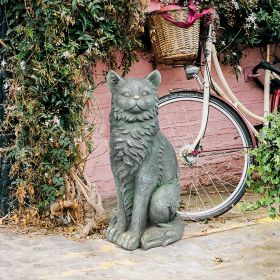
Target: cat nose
136	97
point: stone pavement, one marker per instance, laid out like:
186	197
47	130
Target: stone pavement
246	252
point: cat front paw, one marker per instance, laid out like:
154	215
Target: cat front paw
115	229
129	240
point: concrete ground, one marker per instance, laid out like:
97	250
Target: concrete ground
243	250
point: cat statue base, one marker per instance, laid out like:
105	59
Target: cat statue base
144	165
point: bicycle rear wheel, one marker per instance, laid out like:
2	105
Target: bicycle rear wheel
213	181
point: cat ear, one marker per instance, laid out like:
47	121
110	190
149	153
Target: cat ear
113	78
154	78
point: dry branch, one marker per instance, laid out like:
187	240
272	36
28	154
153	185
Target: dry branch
82	203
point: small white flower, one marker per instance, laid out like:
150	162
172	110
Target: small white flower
251	22
46	174
223	43
22	65
51	140
234	53
235	4
56	120
66	54
251	18
96	44
6	85
3	62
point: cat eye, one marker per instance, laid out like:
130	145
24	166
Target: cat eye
145	93
126	93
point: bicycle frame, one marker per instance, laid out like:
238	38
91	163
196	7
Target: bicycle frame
226	94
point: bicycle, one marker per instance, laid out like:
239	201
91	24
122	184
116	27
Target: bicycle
213	150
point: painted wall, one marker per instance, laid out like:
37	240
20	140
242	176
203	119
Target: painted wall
98	167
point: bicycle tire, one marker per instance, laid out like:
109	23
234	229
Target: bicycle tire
177	127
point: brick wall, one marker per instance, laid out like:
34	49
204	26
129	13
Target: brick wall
98	167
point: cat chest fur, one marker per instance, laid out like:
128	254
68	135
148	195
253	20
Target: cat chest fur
130	144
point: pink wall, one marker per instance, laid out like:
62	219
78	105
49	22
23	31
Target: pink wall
98	167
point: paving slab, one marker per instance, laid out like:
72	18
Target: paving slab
248	251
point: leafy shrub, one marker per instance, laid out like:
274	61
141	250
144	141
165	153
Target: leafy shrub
267	165
48	51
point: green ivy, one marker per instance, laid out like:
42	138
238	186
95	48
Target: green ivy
267	166
48	52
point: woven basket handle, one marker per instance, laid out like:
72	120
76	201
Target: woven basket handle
192	16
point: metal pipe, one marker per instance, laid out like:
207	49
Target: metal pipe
206	94
231	95
266	103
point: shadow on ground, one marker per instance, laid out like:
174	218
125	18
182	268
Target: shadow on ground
236	246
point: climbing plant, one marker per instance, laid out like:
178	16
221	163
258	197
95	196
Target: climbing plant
267	167
242	24
49	50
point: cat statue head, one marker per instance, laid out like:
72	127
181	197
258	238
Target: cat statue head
134	99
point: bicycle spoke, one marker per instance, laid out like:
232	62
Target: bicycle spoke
228	183
188	122
220	182
200	186
172	128
213	183
216	174
240	168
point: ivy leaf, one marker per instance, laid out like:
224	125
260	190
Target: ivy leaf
74	5
272	212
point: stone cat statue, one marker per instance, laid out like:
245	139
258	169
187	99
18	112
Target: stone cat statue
144	165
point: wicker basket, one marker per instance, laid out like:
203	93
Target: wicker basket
171	43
